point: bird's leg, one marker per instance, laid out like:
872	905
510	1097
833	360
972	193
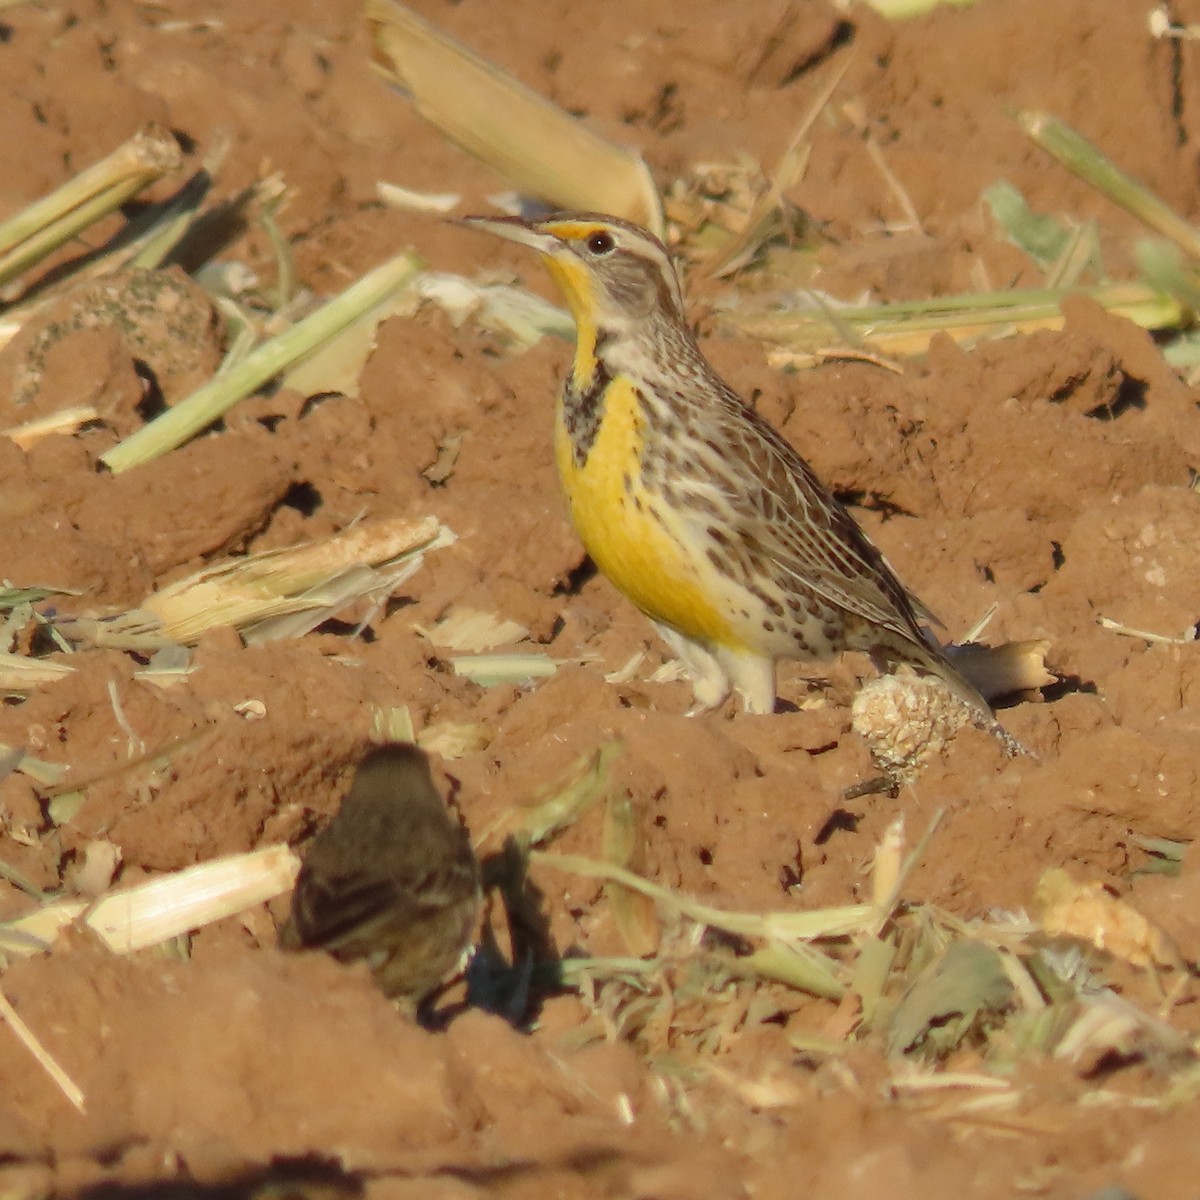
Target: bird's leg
753	677
710	683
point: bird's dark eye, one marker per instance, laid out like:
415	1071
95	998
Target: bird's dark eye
601	243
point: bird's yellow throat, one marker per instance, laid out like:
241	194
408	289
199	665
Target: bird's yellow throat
578	290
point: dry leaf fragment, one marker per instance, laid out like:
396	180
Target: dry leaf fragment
411	200
471	631
804	968
442	467
1089	912
774	1090
337	366
889	860
497	670
964	989
516	315
622	840
1108	1025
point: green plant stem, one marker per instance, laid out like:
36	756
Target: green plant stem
1083	159
786	926
215	398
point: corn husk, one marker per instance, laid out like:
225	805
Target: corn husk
247	592
1089	912
540	149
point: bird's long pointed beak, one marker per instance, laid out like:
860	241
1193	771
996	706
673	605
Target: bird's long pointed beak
565	269
512	229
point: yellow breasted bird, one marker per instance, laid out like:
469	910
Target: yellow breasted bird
391	879
691	504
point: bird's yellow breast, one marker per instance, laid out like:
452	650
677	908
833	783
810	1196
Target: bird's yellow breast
631	533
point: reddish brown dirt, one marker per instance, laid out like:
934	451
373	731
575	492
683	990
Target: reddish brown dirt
1049	474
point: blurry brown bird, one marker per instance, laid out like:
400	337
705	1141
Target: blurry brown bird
391	880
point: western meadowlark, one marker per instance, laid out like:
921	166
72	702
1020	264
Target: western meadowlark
392	879
693	505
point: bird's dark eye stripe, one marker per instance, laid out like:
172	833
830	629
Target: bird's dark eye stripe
600	242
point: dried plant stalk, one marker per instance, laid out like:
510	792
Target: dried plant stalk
902	10
47	224
1083	159
1001	670
759	226
151	913
20	675
165	908
780	926
27	1038
906	328
66	420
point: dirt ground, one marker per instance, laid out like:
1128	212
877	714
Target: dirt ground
1048	474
